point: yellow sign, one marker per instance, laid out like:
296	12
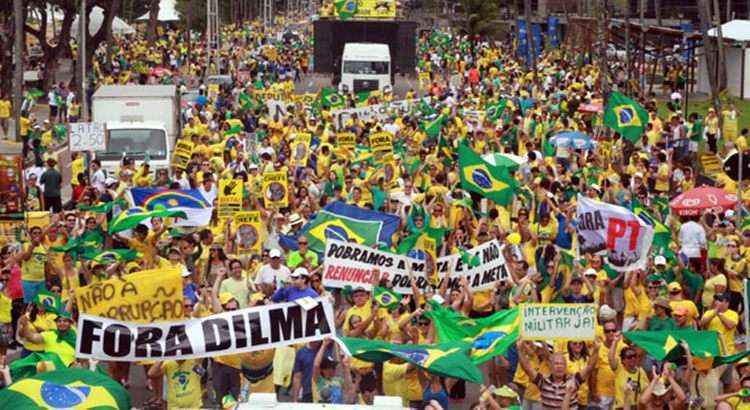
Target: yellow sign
391	173
730	127
249	231
213	90
230	197
143	297
275	190
424	80
346	140
301	149
372	9
183	150
37	219
381	142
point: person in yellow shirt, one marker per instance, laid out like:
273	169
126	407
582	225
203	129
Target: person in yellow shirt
630	379
183	382
6	319
723	320
676	301
5	108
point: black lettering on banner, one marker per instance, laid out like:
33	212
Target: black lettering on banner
128	289
216	334
147	342
89	335
177	343
332	249
355	254
256	331
240	337
164	292
316	322
117	340
286	323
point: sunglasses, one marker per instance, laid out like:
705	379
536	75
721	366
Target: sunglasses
424	323
302	243
675	292
610	330
630	356
188	305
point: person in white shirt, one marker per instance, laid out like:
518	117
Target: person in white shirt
208	188
97	176
52	101
692	238
273	274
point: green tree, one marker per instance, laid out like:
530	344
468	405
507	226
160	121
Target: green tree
480	16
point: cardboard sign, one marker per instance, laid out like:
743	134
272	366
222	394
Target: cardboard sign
142	297
346	140
275	190
230	197
183	151
377	111
381	142
87	136
557	321
249	231
239	331
301	149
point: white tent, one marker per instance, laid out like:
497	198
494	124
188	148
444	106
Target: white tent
736	35
167	12
96	18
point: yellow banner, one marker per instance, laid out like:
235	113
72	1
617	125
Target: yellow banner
250	231
301	150
346	140
36	219
183	150
142	297
374	9
230	197
275	190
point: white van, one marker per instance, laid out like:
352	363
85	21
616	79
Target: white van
365	67
135	140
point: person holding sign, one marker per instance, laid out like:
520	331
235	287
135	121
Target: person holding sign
553	387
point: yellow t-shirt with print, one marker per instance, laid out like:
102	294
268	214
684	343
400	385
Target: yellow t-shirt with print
183	384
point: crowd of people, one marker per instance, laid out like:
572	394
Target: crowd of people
694	282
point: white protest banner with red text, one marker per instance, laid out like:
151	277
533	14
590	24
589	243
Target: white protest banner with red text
603	227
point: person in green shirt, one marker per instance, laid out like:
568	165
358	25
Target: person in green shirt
662	319
302	257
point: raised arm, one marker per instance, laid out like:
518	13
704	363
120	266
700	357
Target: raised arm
524	361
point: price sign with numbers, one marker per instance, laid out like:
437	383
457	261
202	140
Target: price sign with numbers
87	136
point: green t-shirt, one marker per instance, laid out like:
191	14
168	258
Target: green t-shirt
657	323
295	259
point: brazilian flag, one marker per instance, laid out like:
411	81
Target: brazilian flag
66	389
50	301
666	345
626	117
110	256
247	102
488	337
345	9
433	127
133	216
493	111
662	234
386	298
330	98
103	208
490	181
349	223
442	359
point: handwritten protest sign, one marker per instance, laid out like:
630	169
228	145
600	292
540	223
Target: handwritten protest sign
87	136
240	331
230	197
556	321
350	264
346	140
275	189
142	297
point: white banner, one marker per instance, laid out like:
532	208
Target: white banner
378	111
350	264
558	321
625	237
246	330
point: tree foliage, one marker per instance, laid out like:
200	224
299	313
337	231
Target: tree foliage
480	16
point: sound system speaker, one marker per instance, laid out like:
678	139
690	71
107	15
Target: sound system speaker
331	36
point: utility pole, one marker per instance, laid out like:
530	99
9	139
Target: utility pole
642	50
18	69
82	33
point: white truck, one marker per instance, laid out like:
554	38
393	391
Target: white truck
365	67
141	121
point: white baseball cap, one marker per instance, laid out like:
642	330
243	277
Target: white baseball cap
299	272
660	260
274	253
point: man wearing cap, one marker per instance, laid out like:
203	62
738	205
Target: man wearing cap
271	275
662	318
61	341
723	320
676	301
300	288
658	396
51	181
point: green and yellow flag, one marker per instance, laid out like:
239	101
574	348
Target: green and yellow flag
66	389
330	98
488	337
625	116
490	181
386	298
50	301
443	359
666	345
